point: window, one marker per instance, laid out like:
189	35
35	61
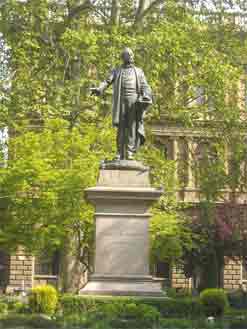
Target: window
165	146
200	94
47	265
182	165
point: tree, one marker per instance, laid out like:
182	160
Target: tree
43	190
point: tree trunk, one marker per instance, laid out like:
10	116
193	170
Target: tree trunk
212	272
115	12
71	274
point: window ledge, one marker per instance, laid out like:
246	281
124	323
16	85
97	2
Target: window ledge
43	276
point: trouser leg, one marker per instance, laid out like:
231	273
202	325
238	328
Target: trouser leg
121	132
132	129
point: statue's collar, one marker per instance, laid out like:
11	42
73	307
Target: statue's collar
127	66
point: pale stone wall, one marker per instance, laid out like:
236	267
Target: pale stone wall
21	270
179	280
232	274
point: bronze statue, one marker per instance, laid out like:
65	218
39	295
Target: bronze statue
131	98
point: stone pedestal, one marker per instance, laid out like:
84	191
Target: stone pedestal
122	199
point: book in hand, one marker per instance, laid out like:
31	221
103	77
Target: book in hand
144	100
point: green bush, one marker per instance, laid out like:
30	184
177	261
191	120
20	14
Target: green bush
176	323
43	299
214	301
3	308
121	314
237	299
74	304
238	324
233	313
19	307
168	307
27	321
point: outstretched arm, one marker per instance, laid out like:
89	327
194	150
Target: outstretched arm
104	85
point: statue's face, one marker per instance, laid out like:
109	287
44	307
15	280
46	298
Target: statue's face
127	56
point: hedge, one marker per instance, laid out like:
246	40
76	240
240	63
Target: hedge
167	307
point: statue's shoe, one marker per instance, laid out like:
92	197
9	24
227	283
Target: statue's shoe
130	156
117	157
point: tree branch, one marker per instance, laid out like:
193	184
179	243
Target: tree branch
115	12
141	8
86	5
144	12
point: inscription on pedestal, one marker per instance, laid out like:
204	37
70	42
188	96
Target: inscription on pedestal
122	246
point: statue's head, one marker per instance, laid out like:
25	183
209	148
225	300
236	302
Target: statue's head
127	56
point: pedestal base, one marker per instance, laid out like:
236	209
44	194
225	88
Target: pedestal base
124	286
122	198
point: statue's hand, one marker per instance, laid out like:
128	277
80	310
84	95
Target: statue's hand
146	98
144	115
95	91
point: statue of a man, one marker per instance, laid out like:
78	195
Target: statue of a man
131	98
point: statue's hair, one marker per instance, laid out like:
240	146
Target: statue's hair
129	52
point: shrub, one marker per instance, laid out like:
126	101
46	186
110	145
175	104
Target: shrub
24	321
43	299
168	307
214	301
178	293
19	307
233	313
137	314
74	304
238	324
3	308
237	299
149	314
176	323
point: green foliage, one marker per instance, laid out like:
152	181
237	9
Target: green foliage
20	307
43	299
137	314
3	308
27	321
72	304
115	306
118	312
14	304
75	320
238	323
214	301
169	234
237	299
176	323
181	293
